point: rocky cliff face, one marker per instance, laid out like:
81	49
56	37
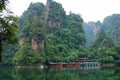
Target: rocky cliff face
37	45
32	27
47	33
54	16
47	9
91	30
111	25
34	22
46	15
21	41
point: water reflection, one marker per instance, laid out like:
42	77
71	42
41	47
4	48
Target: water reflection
53	74
89	65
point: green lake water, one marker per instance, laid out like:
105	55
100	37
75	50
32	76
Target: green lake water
61	74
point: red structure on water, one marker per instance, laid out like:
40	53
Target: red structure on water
80	62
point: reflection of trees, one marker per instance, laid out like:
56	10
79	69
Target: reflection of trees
37	74
5	74
101	74
28	74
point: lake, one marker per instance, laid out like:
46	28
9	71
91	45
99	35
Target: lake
60	74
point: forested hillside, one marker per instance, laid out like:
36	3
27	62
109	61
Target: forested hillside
48	34
105	46
111	26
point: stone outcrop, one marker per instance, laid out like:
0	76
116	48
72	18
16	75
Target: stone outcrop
91	30
34	44
39	44
96	27
21	42
47	8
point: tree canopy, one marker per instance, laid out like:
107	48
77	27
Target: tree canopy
61	38
47	33
8	26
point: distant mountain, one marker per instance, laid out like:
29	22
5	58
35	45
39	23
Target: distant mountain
91	29
111	25
106	47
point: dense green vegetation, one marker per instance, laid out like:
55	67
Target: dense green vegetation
31	28
48	34
111	26
68	42
103	39
103	49
8	26
61	38
106	46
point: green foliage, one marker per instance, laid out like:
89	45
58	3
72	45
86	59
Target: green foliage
67	43
38	29
75	21
104	50
75	25
111	26
56	13
8	53
27	56
36	9
8	26
32	27
106	47
3	4
56	17
63	35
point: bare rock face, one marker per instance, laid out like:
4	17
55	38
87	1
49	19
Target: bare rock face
54	24
37	45
41	45
34	44
21	42
47	8
91	30
50	24
96	30
53	19
96	27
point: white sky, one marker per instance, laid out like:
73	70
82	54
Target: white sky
90	10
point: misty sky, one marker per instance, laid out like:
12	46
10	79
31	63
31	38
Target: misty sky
90	10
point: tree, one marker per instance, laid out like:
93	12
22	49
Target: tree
32	30
59	38
104	49
2	4
27	56
67	43
111	26
8	26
